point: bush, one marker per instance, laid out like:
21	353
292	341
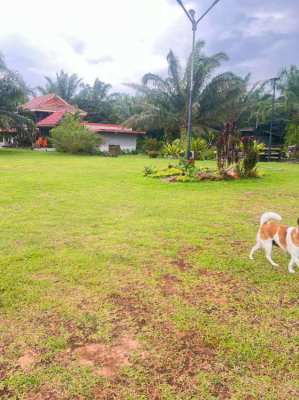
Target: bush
152	147
199	147
72	137
250	149
292	135
174	149
210	153
177	148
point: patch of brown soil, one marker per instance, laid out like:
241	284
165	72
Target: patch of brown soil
53	324
171	357
182	257
168	284
131	305
221	391
106	360
215	288
182	264
44	393
27	360
177	358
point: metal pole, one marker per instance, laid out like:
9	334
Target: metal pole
189	124
274	80
191	16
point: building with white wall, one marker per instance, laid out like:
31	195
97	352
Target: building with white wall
49	110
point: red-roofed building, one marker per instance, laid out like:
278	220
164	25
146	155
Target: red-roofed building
50	109
50	103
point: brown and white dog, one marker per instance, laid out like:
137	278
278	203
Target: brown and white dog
271	232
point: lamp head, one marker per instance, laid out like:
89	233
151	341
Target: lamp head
192	13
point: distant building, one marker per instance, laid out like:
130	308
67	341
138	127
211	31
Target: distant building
262	132
50	109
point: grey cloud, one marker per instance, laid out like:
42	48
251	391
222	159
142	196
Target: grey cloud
258	36
21	56
76	44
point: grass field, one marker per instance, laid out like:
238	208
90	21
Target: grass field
116	286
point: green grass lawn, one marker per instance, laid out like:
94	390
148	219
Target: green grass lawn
117	286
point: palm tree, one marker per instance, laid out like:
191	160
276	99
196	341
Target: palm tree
165	99
289	88
96	101
65	85
13	93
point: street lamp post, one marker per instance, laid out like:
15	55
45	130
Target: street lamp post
194	22
274	81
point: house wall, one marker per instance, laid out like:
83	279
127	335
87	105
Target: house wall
6	140
126	142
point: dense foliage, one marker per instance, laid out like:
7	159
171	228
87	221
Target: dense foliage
70	136
164	100
96	101
64	85
13	93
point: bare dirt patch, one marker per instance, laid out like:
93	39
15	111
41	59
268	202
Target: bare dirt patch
168	284
221	391
182	264
106	360
27	360
45	393
182	259
216	288
130	305
176	359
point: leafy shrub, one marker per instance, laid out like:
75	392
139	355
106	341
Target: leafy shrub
148	170
152	144
185	178
199	146
210	153
174	149
164	173
292	134
250	149
72	137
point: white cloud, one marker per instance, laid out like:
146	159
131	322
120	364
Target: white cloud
73	33
118	41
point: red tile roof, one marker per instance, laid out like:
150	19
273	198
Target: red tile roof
111	128
54	119
50	102
51	120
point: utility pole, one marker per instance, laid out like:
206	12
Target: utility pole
194	23
274	81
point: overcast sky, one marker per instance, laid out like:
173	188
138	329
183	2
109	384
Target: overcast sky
120	40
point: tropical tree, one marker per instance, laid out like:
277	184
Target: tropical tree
126	105
165	100
70	136
64	85
96	101
289	88
13	93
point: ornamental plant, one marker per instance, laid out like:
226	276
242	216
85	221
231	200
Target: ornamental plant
70	136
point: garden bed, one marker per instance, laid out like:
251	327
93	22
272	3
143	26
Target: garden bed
187	171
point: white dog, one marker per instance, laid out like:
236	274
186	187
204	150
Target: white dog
271	232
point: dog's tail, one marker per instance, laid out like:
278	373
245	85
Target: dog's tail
268	216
